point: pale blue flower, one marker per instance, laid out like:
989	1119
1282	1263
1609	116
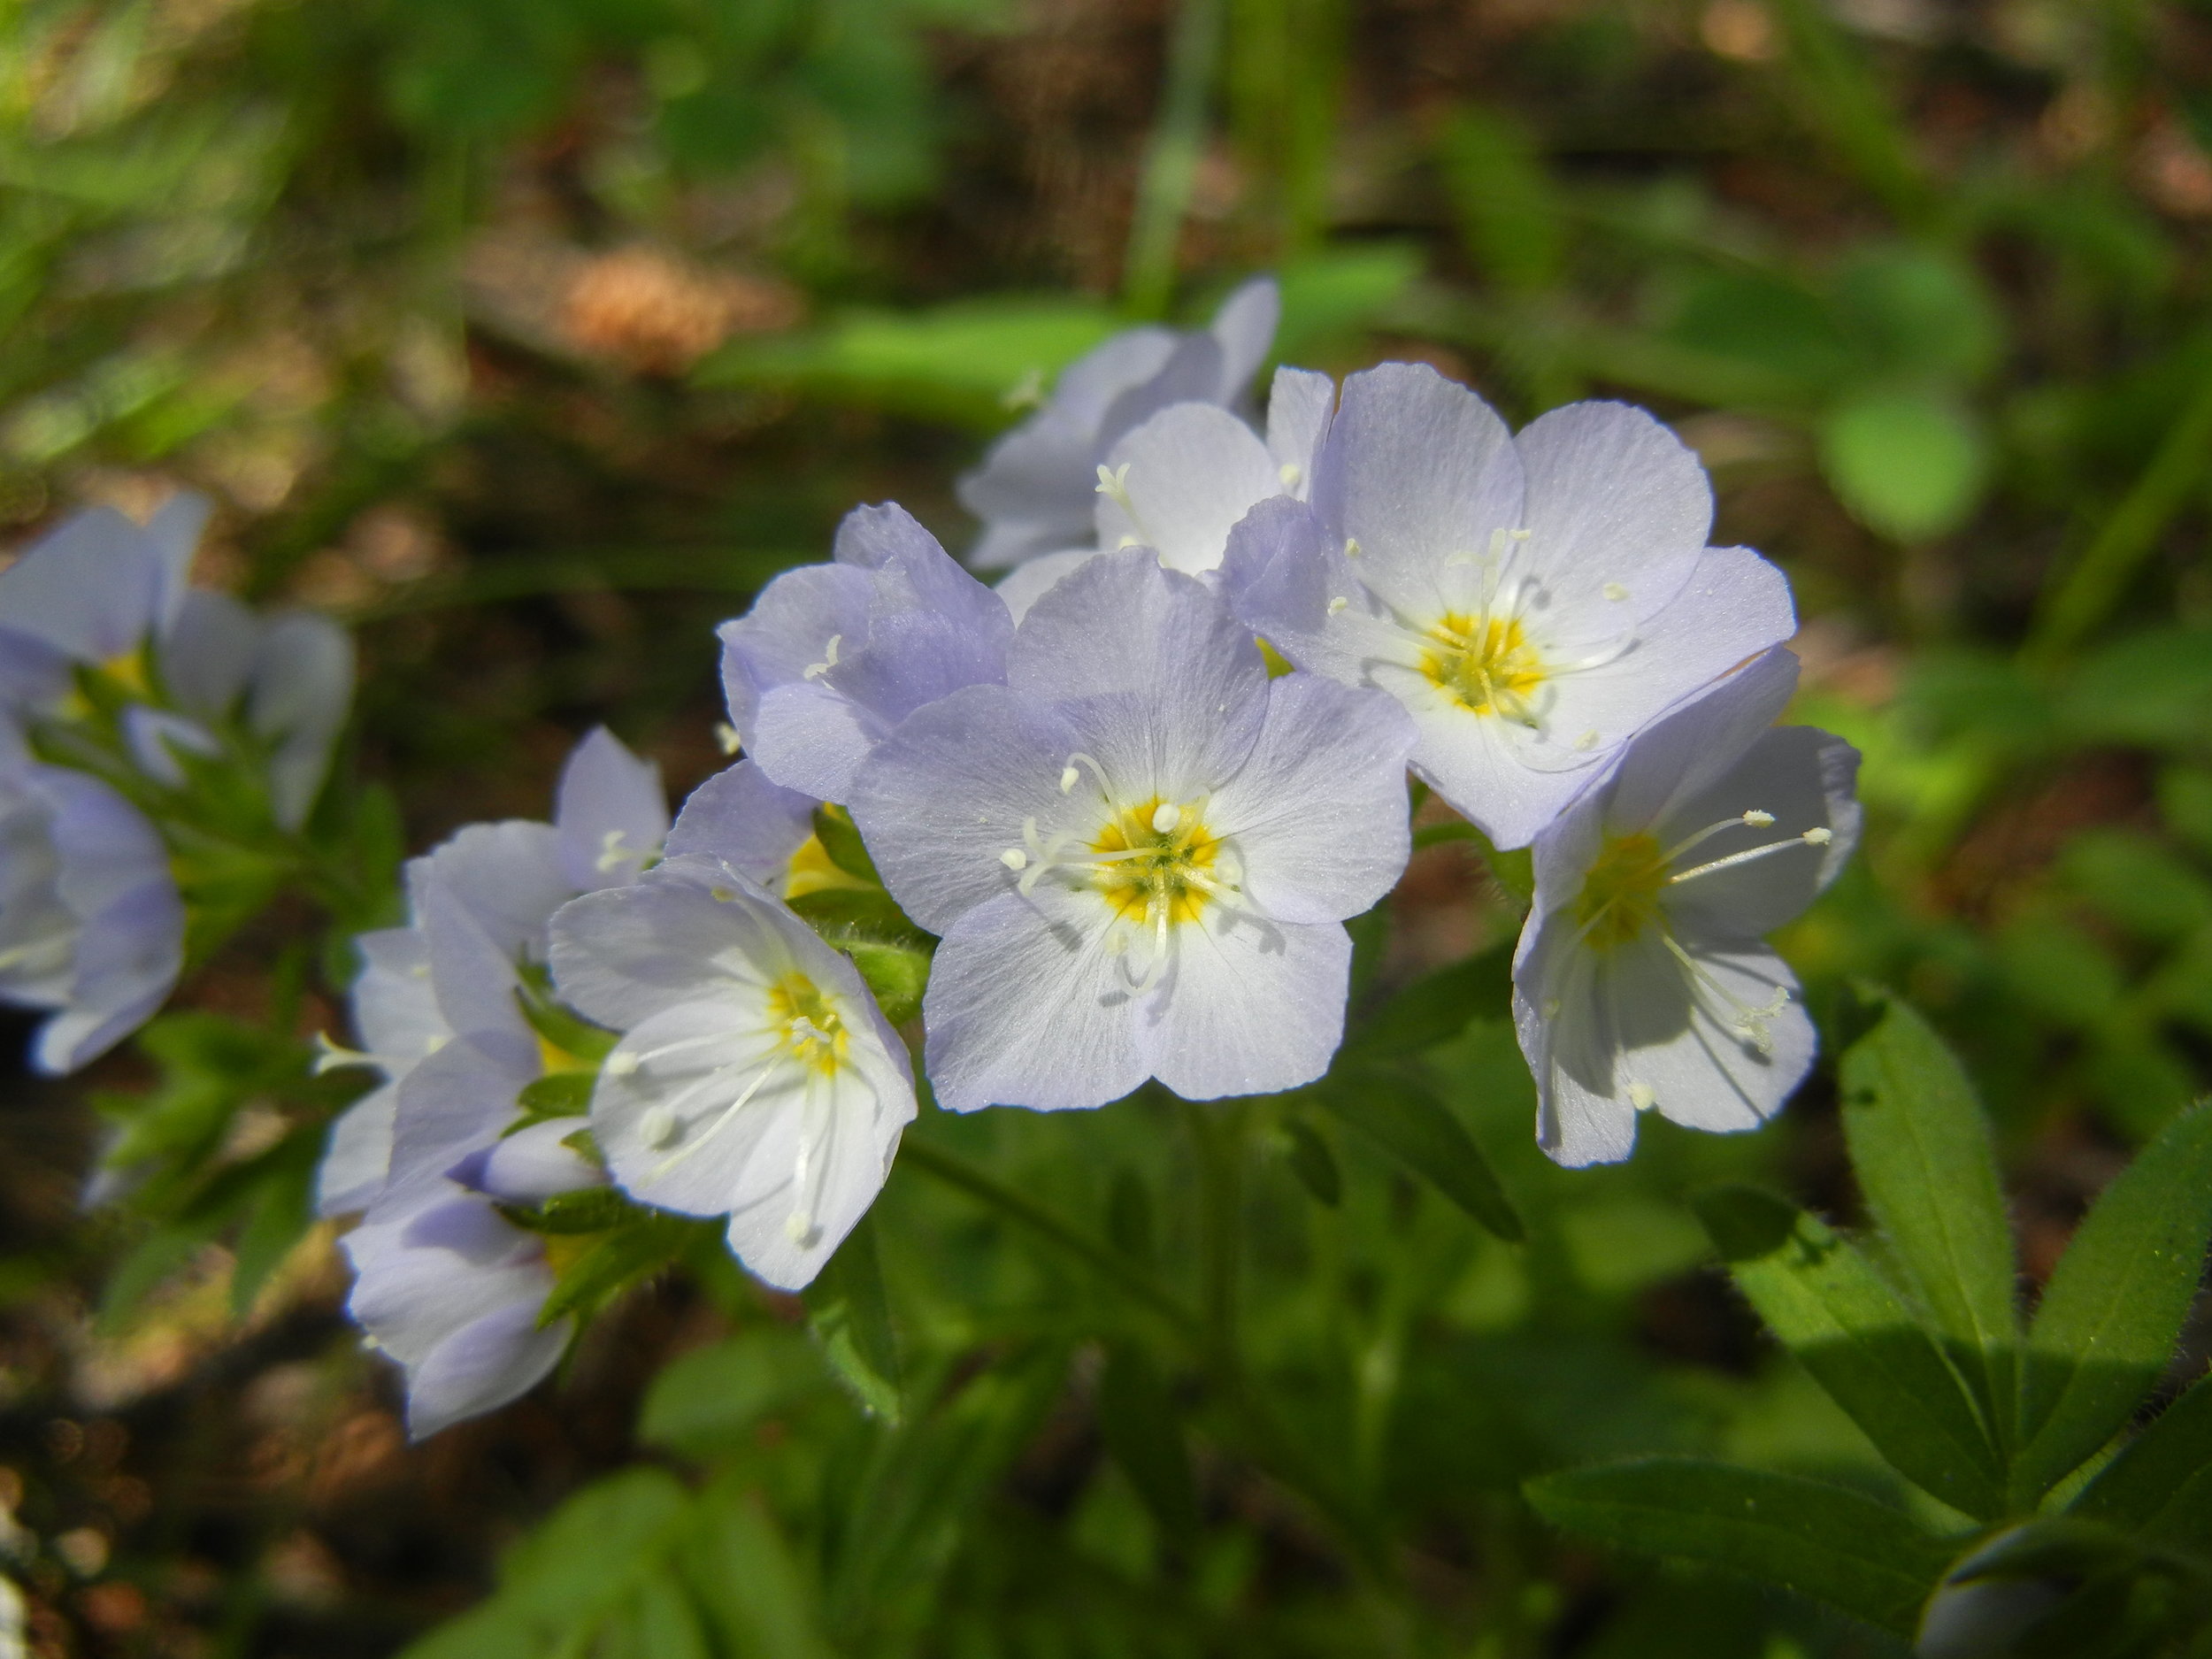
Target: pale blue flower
444	1283
1533	600
755	1078
90	924
479	905
832	656
103	594
1035	490
1139	850
1179	482
1642	982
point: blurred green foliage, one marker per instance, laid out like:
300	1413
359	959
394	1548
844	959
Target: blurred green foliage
533	336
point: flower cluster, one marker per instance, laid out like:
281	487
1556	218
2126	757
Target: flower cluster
143	720
1098	826
1104	824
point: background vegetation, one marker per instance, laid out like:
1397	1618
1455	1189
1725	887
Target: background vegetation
531	335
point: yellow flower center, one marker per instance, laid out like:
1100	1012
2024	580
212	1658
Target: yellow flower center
812	870
1165	866
1620	894
813	1033
1484	663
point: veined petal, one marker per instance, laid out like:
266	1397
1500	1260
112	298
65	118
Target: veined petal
1418	471
452	1103
787	635
741	819
1318	812
951	791
1300	406
1185	476
486	1364
529	1165
1254	1006
1806	780
1243	329
609	813
1612	498
1692	746
208	652
1154	676
301	686
1026	1007
623	954
1027	583
358	1155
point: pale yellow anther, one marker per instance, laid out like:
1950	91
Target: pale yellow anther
726	739
1014	859
1069	777
1640	1097
1819	837
1758	819
1338	604
829	659
1166	818
657	1127
1290	473
1615	591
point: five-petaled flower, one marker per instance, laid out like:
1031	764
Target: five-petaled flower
1533	600
1139	850
1641	982
757	1077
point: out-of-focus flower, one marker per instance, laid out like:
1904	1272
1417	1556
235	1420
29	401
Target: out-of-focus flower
444	1283
90	924
757	1077
100	606
1035	491
479	906
832	656
1642	982
1532	600
1140	850
1179	482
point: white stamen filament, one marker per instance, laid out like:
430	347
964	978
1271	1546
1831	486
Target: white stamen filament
1810	838
332	1056
1756	819
1748	1023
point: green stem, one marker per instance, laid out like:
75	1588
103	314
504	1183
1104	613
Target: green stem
1109	1265
1242	1404
2099	577
1170	160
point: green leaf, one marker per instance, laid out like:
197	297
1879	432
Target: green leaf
1859	1556
560	1584
851	1319
1312	1162
712	1399
278	1215
907	1510
840	837
566	1031
1920	1151
1507	205
1860	1342
749	1580
2160	1485
1907	463
2113	1310
1138	1421
1401	1114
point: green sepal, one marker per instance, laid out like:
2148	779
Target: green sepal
589	1209
644	1243
572	1034
834	828
896	975
844	916
555	1095
851	1319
